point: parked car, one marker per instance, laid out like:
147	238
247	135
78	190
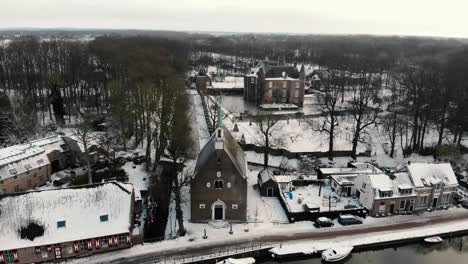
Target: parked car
348	219
323	222
138	160
464	204
59	182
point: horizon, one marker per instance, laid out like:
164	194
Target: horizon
362	17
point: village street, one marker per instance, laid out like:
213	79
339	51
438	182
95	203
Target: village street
184	251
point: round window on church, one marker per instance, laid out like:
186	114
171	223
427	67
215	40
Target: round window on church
208	185
218	174
229	185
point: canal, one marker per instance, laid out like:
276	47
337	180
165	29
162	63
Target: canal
454	250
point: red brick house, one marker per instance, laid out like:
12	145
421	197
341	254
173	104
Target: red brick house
267	84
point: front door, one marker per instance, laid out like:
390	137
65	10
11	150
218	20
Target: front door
58	253
348	191
392	208
218	213
434	202
270	192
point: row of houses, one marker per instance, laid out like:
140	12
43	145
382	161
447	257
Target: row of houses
27	166
50	225
413	187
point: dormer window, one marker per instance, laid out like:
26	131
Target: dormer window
27	166
385	193
40	161
406	191
13	171
219	133
437	187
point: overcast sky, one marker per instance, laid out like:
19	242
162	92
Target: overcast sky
402	17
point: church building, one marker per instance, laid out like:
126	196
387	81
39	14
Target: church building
219	187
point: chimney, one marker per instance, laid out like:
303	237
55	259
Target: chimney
284	75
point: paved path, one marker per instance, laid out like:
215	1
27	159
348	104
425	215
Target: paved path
195	249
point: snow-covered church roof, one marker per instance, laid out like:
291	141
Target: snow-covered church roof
80	207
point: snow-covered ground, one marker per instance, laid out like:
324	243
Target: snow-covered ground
310	195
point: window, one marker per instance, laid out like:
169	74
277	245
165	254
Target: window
270	84
296	93
235	206
423	200
284	84
385	194
270	93
27	166
13	171
104	218
402	205
83	245
406	191
201	206
297	85
445	198
437	187
363	185
60	224
252	80
1	182
218	184
104	242
8	256
122	238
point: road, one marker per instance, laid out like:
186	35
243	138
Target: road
189	250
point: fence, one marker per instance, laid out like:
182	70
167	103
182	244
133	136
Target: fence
253	250
294	155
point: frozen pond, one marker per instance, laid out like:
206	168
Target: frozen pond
453	250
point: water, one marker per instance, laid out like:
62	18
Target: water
451	251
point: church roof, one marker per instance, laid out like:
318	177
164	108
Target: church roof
230	147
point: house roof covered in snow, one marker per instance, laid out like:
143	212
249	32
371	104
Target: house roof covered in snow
277	72
264	176
18	159
429	174
80	208
230	147
391	183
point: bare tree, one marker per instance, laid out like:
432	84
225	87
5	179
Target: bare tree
328	101
83	133
365	106
267	124
179	143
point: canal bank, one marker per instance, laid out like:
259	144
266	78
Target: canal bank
452	250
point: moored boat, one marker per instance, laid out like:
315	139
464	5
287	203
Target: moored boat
237	261
336	254
433	240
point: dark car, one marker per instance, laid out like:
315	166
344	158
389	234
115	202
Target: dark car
59	182
323	222
464	204
138	160
349	220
